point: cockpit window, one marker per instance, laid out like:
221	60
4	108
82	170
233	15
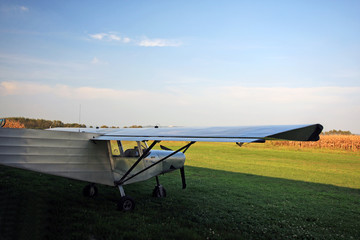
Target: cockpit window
127	148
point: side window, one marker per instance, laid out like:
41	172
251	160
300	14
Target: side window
130	149
127	148
115	148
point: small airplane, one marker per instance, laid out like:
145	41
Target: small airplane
117	157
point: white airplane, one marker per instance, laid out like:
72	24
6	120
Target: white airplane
117	157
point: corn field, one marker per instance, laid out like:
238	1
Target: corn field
13	124
338	142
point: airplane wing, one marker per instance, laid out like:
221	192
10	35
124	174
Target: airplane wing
208	134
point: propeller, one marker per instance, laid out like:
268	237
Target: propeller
182	170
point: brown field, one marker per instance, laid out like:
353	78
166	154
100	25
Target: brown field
13	124
337	142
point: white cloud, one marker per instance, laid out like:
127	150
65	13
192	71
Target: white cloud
24	9
8	88
95	60
98	36
68	92
159	43
279	96
126	40
18	88
145	42
334	107
26	60
114	37
282	95
109	37
14	9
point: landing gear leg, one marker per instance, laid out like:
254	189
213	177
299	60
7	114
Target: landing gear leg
90	190
126	203
159	191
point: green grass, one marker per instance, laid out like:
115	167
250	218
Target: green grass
253	192
328	167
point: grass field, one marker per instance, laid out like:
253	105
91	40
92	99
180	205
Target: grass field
254	192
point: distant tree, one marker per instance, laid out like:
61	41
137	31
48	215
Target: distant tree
338	132
104	126
42	123
57	123
74	125
134	126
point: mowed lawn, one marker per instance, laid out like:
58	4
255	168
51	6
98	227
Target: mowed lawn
253	192
340	168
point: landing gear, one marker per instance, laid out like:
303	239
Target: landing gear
159	191
126	203
90	190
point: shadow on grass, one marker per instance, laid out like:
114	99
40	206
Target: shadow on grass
216	205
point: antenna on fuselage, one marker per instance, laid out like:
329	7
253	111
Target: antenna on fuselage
80	114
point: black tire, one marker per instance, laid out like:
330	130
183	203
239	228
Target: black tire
159	191
126	204
90	190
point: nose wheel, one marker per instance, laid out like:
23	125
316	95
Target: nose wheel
159	191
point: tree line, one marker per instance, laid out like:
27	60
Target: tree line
38	123
337	132
21	122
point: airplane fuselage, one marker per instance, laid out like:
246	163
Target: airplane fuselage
75	155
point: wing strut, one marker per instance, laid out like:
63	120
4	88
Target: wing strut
123	180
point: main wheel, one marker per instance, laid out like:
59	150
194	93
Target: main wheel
126	204
90	190
159	191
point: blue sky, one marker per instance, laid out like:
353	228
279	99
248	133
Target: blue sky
182	63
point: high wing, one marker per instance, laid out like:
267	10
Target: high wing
208	134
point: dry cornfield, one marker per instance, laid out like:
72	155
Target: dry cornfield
340	142
13	124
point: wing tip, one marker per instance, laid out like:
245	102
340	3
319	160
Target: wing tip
315	136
